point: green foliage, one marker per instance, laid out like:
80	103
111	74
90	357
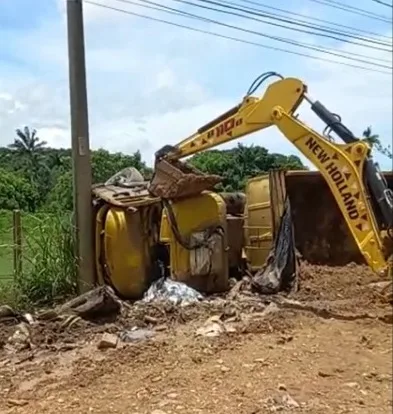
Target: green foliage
48	261
105	164
42	176
374	142
49	271
60	197
16	192
48	171
239	164
8	295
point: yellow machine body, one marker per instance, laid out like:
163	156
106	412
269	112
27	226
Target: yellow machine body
125	237
258	232
203	268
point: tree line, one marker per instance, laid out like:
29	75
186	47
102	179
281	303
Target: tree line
35	177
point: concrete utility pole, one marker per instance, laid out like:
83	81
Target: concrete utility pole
80	147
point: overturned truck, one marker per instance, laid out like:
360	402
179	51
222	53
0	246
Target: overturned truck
204	239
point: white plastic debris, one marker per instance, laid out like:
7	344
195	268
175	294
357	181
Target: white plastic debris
169	290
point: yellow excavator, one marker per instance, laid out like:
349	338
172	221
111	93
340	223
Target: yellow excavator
360	190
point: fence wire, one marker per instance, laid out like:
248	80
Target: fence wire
34	228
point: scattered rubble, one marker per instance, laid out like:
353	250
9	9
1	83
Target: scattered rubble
107	341
136	335
214	327
280	403
17	403
168	302
7	311
101	301
20	340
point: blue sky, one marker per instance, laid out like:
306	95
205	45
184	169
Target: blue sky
150	84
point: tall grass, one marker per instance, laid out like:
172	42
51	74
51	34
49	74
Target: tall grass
49	272
49	264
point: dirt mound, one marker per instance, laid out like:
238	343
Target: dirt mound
352	288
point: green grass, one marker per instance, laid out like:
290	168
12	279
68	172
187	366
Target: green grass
48	262
28	224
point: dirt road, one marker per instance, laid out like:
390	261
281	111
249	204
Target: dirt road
285	360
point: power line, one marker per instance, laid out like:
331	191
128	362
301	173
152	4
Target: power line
291	13
284	40
349	30
235	38
383	3
284	20
353	10
308	46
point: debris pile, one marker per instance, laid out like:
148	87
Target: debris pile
101	317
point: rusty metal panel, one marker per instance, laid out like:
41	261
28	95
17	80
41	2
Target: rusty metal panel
175	179
321	233
278	194
124	197
235	240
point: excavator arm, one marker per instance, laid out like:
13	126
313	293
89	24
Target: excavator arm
342	166
252	115
354	180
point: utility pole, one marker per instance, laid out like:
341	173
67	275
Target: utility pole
82	177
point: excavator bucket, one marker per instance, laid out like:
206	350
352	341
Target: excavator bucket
174	179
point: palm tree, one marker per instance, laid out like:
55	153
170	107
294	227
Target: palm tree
370	138
27	148
374	142
27	142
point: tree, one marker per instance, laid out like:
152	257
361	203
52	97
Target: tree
27	149
61	195
16	192
27	141
48	171
374	142
239	164
104	164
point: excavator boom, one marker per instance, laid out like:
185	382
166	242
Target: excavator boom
354	180
253	114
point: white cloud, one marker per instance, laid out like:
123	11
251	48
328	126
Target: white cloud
150	84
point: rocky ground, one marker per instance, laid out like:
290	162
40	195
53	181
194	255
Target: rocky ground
325	349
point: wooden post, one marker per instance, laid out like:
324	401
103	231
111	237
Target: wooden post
17	245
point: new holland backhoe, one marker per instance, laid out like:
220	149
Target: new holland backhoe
358	187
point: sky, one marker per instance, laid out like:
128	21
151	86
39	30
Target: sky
151	84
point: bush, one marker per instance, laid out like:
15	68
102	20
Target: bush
16	192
